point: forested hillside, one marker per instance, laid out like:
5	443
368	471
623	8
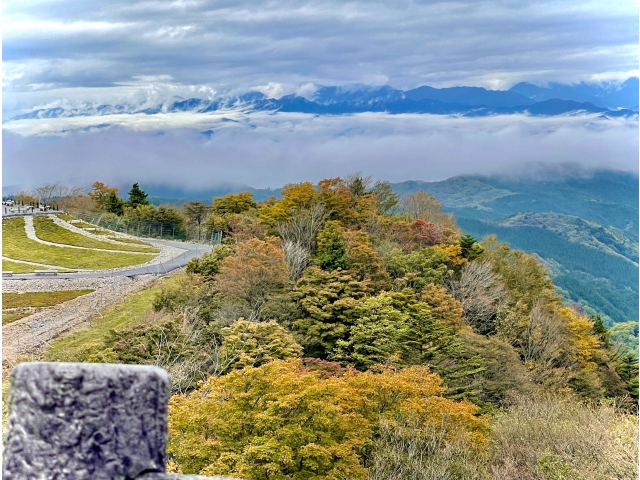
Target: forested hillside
344	332
584	227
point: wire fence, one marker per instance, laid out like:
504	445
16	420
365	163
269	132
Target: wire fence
160	230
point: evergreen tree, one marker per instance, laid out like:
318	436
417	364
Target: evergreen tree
601	331
332	249
113	203
470	249
137	196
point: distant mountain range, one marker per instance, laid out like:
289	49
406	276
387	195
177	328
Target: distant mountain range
609	100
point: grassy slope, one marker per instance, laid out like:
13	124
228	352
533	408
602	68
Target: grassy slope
12	317
128	240
16	267
16	245
49	231
128	312
40	299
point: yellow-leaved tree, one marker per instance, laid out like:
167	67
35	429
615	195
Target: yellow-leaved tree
284	420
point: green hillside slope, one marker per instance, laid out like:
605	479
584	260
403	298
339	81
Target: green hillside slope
583	227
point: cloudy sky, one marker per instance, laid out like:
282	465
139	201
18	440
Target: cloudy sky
64	53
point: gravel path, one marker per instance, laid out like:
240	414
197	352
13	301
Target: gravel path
31	234
70	226
166	254
26	336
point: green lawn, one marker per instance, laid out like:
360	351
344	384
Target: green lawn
127	313
83	225
12	317
129	240
16	245
40	299
49	231
16	267
66	217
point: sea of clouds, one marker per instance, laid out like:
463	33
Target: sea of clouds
266	149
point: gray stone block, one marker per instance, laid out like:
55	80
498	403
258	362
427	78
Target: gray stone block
76	421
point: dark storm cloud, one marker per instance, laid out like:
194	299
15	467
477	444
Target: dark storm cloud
271	150
231	44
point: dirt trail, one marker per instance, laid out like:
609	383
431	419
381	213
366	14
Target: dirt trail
25	338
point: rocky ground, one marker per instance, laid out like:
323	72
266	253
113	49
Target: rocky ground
25	338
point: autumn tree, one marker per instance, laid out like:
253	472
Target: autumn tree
277	420
251	344
103	195
347	200
299	236
73	200
442	305
196	211
427	234
362	259
256	269
481	294
24	197
327	301
282	420
424	206
233	203
295	197
45	193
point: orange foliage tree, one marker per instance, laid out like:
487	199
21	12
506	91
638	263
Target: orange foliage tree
256	269
283	420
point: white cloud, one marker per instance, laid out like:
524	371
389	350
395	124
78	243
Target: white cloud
227	45
263	149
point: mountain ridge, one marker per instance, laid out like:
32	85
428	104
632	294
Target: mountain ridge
332	100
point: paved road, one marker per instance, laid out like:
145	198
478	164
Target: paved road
191	250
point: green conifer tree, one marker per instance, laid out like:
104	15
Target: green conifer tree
137	196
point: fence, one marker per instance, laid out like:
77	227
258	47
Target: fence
161	230
80	421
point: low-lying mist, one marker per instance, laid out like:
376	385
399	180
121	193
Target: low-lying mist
268	150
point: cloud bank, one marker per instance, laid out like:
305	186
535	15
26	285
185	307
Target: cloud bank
268	150
76	49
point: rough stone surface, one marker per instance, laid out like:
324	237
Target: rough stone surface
86	421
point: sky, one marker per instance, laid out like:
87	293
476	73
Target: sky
65	53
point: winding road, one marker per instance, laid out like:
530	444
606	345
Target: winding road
191	250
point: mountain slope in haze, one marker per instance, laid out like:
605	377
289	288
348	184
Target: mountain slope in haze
584	227
611	95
